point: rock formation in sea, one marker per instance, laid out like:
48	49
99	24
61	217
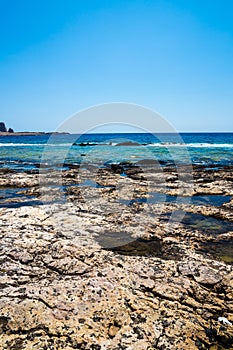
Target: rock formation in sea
3	127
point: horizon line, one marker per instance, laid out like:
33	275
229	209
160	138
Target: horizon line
114	132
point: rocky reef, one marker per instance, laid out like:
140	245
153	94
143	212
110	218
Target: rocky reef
116	258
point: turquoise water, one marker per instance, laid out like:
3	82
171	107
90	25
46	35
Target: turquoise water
27	152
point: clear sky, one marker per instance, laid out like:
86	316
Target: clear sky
60	56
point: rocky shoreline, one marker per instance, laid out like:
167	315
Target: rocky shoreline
118	257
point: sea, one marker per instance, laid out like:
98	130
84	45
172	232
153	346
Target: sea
23	153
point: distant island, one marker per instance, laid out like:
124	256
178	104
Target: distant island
10	132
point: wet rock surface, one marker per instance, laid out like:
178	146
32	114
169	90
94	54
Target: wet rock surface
101	262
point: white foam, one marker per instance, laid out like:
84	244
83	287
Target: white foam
34	144
193	145
168	144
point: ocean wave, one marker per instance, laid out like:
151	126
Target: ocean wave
160	144
193	145
163	144
34	144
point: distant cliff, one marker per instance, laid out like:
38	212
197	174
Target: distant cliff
4	129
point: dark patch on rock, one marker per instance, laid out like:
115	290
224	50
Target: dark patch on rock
128	143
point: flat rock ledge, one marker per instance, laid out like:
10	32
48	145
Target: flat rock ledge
60	288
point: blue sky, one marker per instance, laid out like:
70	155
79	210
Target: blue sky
59	57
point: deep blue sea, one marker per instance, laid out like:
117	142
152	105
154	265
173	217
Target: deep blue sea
28	152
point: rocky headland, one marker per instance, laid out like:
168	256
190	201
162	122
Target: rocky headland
10	132
118	257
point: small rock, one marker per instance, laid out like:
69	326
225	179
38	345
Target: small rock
113	331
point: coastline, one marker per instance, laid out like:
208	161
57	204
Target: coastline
37	133
30	133
105	268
